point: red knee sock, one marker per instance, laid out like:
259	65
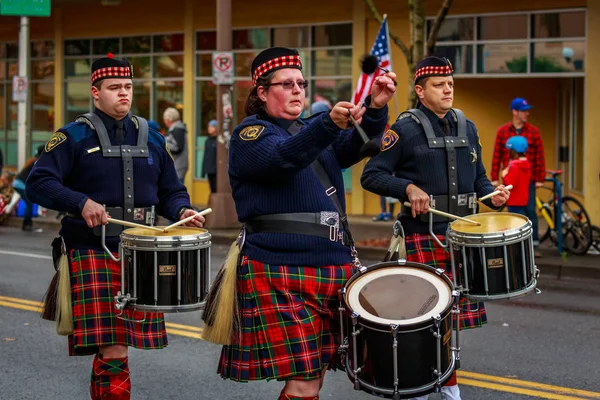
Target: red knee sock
452	380
285	396
110	379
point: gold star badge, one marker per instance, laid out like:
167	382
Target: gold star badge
473	155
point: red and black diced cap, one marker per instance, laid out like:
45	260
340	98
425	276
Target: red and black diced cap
433	66
273	59
111	67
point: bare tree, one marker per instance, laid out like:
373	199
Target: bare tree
417	49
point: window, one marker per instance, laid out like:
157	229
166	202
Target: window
535	43
157	62
326	52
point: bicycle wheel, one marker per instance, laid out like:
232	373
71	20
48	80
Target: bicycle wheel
547	210
596	238
576	226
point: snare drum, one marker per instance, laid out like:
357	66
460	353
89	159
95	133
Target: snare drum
494	260
397	328
164	271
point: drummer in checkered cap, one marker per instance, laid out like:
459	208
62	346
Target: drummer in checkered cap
81	170
420	157
297	251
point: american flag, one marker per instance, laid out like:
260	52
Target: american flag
381	49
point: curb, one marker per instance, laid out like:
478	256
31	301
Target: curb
550	267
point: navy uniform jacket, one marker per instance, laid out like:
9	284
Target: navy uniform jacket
72	170
406	154
270	172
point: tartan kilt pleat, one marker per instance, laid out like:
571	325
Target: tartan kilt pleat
422	248
289	326
95	280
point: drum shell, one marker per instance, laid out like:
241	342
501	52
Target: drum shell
415	354
166	274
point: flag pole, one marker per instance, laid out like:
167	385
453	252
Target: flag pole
387	37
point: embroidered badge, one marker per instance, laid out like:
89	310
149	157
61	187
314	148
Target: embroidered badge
54	141
388	140
251	132
473	155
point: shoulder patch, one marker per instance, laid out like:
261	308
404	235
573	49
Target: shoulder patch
251	132
388	140
54	141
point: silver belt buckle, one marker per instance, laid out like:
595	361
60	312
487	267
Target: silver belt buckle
333	233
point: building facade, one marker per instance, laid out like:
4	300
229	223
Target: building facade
540	51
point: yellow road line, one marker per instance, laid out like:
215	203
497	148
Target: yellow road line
534	385
497	383
516	390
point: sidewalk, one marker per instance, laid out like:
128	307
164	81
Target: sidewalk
372	238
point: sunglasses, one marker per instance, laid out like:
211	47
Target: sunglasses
289	85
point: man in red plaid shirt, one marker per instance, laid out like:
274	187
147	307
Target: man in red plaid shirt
535	154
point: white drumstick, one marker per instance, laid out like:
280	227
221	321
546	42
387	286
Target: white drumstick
447	215
188	219
487	196
132	224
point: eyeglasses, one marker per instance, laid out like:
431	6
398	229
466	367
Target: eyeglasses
289	85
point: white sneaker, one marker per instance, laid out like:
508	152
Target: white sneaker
451	393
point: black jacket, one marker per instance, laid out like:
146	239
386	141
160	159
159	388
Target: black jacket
209	164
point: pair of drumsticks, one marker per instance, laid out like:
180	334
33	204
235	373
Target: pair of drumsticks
154	228
448	215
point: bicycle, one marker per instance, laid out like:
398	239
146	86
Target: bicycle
569	224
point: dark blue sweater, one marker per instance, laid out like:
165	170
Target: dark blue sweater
71	172
410	160
270	173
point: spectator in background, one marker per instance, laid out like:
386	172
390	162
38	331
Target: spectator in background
176	138
535	154
319	106
209	163
518	174
19	185
1	162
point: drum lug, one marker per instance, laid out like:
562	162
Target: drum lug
440	271
121	301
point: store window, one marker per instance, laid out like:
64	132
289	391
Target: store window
157	62
540	43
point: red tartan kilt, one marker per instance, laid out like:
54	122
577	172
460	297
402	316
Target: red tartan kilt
289	322
422	248
95	280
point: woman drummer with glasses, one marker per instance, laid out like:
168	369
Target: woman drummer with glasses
296	254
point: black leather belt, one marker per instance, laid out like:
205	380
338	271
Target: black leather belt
325	224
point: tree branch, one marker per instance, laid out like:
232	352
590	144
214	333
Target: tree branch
395	38
437	24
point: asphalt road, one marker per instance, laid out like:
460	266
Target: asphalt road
541	347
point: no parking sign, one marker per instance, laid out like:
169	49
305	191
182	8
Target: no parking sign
222	68
19	92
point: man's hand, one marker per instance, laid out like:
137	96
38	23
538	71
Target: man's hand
383	90
501	198
495	183
94	214
198	221
341	111
419	200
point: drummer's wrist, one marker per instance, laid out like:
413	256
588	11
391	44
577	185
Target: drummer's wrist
181	211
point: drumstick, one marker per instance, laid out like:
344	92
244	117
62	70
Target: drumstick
447	215
188	219
487	196
132	224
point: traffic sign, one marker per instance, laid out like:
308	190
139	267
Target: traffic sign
19	92
25	8
222	68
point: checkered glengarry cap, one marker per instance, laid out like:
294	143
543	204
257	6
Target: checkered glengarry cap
274	58
111	67
433	66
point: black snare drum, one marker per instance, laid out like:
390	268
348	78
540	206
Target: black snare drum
165	271
493	260
397	329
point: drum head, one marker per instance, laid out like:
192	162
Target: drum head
490	222
399	295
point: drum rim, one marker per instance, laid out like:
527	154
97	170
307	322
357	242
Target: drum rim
406	266
192	237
